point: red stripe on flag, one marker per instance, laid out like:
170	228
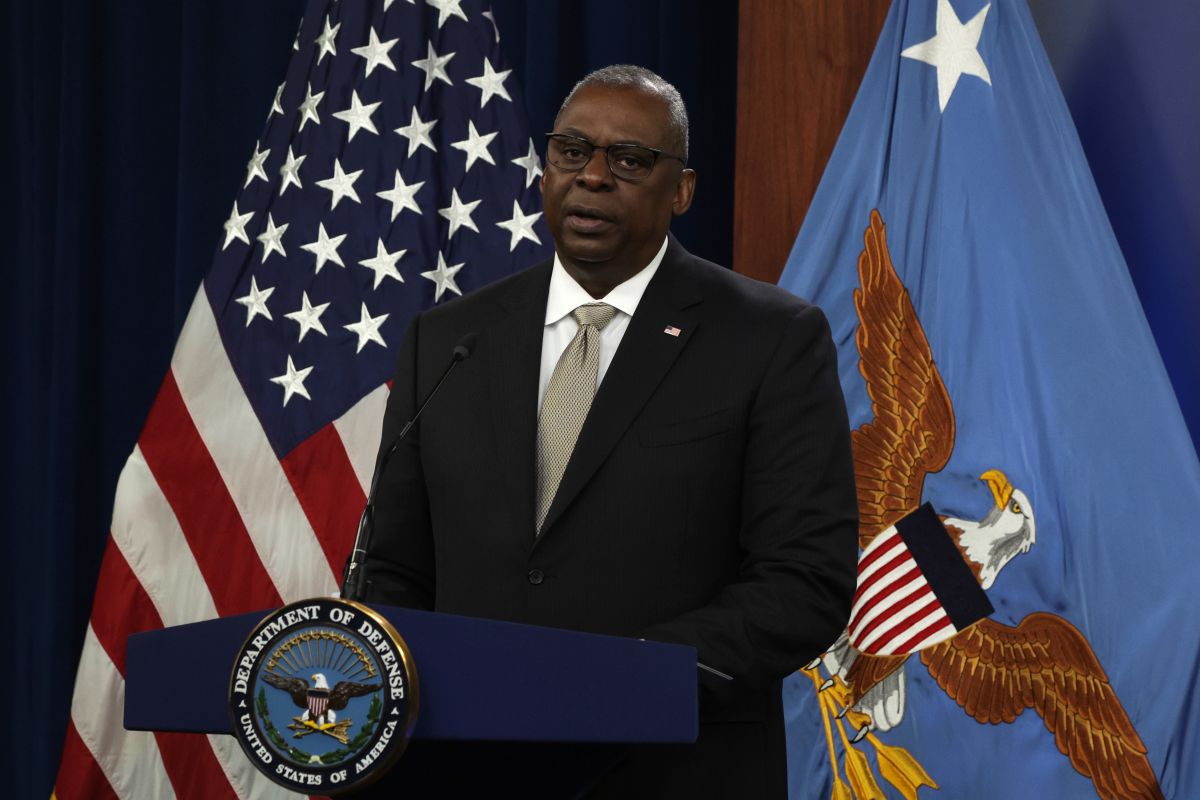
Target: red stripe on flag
210	521
79	776
329	492
881	547
906	577
192	766
918	599
121	606
904	621
900	558
924	633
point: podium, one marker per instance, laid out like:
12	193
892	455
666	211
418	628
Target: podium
502	705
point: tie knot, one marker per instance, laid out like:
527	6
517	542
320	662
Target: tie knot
595	314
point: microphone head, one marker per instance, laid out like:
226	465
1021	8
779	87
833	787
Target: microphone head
465	346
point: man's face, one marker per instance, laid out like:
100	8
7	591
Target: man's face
599	222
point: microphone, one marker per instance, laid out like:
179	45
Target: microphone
353	585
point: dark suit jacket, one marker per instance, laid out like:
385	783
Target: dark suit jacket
709	500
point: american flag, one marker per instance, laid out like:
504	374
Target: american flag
394	172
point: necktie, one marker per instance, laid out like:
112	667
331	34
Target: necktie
568	397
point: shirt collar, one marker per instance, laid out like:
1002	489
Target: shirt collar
566	294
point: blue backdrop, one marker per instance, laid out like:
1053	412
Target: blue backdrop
129	128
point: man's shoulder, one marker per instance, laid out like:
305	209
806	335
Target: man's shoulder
741	294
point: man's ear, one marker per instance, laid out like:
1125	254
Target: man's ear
684	191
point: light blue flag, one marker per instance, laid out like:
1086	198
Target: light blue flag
998	366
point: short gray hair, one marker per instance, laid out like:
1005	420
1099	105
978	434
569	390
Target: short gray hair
630	76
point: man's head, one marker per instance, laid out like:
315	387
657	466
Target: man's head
607	227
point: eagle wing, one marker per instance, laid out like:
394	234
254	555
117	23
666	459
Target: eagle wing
344	690
296	687
994	672
913	430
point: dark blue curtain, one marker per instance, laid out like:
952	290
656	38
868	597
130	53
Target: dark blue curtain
127	133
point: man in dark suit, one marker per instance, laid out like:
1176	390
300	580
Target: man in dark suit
705	497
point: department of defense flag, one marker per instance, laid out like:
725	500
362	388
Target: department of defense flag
998	367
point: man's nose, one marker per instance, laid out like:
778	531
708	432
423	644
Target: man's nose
596	172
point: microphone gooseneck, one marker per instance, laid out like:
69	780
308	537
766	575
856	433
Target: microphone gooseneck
353	581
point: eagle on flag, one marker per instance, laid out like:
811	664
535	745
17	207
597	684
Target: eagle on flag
991	670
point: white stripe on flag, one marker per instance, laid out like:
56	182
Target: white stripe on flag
281	533
359	429
887	605
145	530
916	615
134	769
891	546
867	599
934	638
248	782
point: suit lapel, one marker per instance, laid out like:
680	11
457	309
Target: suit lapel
646	353
514	367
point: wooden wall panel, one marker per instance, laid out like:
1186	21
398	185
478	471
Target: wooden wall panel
799	66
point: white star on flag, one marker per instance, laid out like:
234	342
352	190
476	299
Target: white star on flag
447	9
290	172
384	264
325	247
358	116
256	301
491	83
434	66
402	195
367	329
531	164
520	226
417	132
272	238
235	226
459	214
443	278
376	53
309	317
292	381
325	41
341	184
953	51
475	146
254	167
308	108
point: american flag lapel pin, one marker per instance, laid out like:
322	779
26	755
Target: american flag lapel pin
671	330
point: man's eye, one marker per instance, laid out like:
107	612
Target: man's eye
573	153
632	161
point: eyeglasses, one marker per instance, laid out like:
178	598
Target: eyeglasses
629	162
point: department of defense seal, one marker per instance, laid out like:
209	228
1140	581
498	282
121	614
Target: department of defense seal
323	696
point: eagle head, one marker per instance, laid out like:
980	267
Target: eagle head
1007	531
319	682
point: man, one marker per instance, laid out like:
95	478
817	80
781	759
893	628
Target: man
705	497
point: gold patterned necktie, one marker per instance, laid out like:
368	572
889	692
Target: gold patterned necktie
568	397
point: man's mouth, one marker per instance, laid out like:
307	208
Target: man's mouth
585	219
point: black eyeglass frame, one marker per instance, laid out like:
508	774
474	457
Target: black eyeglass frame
654	151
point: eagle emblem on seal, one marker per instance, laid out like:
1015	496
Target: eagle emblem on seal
993	671
320	703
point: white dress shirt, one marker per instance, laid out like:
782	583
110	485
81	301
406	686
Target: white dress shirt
566	295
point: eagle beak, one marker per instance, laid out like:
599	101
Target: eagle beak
998	482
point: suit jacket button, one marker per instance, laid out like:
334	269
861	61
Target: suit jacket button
536	576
